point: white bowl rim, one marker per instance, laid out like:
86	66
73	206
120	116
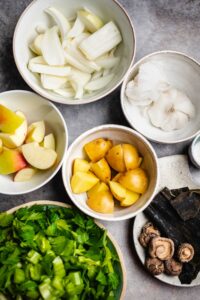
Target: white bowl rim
65	149
104	216
44	93
159	141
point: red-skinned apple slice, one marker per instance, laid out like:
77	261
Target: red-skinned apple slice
9	120
11	161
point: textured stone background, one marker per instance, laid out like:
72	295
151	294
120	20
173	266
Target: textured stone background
160	24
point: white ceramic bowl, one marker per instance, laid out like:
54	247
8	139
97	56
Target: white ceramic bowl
35	108
118	134
183	73
34	15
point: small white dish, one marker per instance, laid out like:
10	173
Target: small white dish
34	15
118	134
183	73
139	222
194	151
35	109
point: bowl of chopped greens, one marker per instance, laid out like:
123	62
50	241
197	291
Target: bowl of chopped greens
74	52
49	250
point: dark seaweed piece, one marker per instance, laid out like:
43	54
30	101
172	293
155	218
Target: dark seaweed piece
187	205
161	213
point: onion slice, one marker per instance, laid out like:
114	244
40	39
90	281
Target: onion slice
99	83
61	21
52	50
51	82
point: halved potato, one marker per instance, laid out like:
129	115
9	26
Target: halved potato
118	191
102	203
116	177
131	157
81	165
97	149
115	158
134	180
82	182
102	170
99	187
130	199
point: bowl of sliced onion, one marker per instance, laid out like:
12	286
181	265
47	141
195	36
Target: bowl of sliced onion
74	52
160	97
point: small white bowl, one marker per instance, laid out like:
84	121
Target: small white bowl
34	15
183	73
118	134
193	152
35	108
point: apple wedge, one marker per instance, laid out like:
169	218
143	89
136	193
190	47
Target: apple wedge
11	161
118	191
24	175
9	120
49	142
15	140
36	132
39	157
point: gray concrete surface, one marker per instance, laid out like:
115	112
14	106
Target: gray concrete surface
159	24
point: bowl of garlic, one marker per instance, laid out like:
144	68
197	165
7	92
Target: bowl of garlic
160	97
74	52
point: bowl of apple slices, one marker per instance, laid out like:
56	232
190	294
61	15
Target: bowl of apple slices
74	52
33	141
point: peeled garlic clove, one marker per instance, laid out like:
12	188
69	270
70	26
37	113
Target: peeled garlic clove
51	82
59	18
52	50
77	29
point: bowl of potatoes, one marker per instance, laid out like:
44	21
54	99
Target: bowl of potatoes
111	172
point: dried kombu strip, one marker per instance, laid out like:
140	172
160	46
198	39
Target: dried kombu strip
187	204
168	221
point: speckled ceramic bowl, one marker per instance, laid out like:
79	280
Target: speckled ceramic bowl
183	73
34	15
118	134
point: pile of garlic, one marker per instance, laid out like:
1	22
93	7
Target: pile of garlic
166	107
75	57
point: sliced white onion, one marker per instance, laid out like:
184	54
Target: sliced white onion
37	44
65	92
101	42
49	70
97	75
62	22
51	82
77	29
108	62
70	59
99	83
52	50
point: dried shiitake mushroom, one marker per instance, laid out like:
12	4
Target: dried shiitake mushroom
185	252
154	265
147	233
161	248
173	267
